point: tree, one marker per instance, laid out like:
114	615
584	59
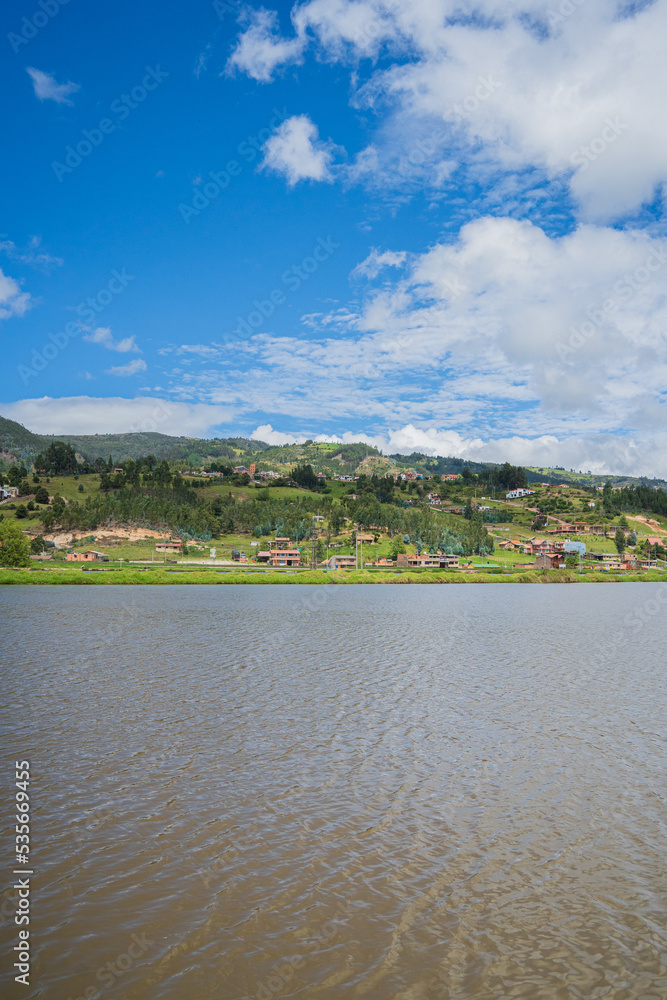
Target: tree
397	547
59	459
21	511
37	545
41	496
619	541
15	546
15	474
80	487
24	488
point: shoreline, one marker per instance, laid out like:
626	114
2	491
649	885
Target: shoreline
30	576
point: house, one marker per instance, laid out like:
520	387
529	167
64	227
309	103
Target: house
169	546
280	541
240	470
263	557
515	494
90	555
448	477
653	540
648	563
426	561
283	556
318	518
546	561
611	560
8	492
340	562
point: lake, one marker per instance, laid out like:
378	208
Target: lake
394	792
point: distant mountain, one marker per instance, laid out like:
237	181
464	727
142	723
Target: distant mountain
17	444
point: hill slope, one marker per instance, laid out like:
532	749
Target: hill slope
17	444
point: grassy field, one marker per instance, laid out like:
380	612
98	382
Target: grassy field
190	575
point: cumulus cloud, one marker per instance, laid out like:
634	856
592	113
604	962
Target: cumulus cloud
131	368
13	302
512	87
102	335
601	456
116	415
47	88
260	49
504	333
296	151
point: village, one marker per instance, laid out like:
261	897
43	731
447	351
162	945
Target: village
522	538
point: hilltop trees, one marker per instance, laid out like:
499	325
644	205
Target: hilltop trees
59	459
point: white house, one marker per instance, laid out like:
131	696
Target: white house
515	494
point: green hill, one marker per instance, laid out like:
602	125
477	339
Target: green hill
18	444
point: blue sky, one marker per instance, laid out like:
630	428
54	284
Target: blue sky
426	226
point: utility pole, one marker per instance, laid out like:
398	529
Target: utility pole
313	547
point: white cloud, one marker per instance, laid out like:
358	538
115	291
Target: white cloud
102	335
511	87
42	260
296	152
48	89
376	261
260	49
603	455
502	334
131	368
13	302
116	415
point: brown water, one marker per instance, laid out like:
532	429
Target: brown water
386	792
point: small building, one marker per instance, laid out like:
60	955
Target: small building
515	494
169	546
426	560
8	492
546	561
284	557
449	477
340	562
90	555
263	557
241	469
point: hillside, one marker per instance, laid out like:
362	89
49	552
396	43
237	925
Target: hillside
18	444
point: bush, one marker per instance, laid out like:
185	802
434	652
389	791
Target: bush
80	487
15	547
21	511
